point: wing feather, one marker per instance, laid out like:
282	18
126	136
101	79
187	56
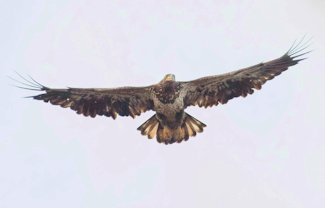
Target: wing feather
212	90
124	101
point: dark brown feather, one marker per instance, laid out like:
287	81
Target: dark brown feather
126	101
212	90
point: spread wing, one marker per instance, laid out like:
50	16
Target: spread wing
212	90
124	101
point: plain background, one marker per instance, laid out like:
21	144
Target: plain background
265	150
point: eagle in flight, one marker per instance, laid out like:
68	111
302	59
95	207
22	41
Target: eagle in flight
168	98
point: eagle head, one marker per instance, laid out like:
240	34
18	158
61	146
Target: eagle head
168	77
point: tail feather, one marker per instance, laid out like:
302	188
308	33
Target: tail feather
149	127
190	127
194	124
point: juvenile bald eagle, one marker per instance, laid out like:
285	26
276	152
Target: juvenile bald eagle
169	98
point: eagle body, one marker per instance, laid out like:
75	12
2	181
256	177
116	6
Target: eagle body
170	123
168	103
168	98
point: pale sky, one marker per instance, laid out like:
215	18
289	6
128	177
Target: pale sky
266	150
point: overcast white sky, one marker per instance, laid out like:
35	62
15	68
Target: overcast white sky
267	150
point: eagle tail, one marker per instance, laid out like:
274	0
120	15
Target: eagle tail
150	127
190	127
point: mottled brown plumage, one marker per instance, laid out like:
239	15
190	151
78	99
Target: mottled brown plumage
168	98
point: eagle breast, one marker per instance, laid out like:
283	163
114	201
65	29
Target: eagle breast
167	92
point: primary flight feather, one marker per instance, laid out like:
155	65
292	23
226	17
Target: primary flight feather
168	98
